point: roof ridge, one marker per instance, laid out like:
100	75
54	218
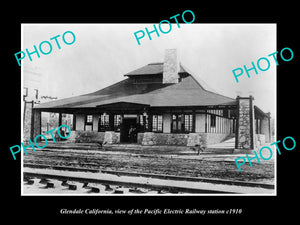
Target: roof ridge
155	63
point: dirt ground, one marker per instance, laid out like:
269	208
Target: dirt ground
208	166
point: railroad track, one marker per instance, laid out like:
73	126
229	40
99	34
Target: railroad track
120	181
139	164
154	165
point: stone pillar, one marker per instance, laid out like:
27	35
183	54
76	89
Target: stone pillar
36	125
245	123
27	120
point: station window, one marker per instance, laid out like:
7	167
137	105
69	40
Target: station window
117	122
188	123
182	123
212	120
89	119
103	123
157	123
143	122
176	123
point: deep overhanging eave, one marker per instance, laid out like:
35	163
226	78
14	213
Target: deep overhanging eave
259	111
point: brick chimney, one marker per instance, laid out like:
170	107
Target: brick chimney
171	67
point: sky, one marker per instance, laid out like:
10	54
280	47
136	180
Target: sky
103	53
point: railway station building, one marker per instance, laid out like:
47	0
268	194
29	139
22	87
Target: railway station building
160	104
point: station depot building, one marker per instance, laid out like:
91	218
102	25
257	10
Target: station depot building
164	105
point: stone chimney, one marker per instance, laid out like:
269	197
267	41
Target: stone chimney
171	67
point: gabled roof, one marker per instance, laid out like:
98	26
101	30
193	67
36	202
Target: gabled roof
150	69
188	92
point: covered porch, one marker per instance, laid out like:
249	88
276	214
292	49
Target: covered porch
127	122
113	123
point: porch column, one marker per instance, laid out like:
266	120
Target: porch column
149	122
74	122
59	119
194	122
266	128
111	121
245	123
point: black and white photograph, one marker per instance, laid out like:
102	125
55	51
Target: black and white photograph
149	111
183	113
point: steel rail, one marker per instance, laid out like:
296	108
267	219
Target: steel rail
168	188
157	176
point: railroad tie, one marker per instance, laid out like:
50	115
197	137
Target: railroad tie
85	185
72	187
108	188
137	190
161	192
28	180
49	185
64	183
118	191
44	181
95	190
25	178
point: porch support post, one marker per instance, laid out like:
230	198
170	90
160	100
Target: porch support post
245	134
74	122
59	119
266	127
194	121
111	121
149	122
